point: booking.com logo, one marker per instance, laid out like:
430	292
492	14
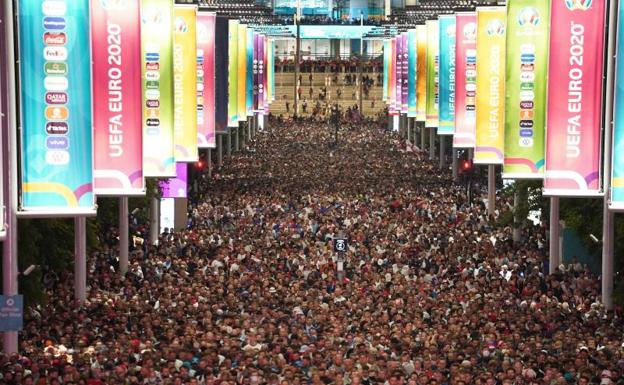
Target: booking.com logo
578	5
528	16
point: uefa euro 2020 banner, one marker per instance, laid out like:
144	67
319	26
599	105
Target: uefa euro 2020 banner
447	75
574	115
205	80
185	83
491	26
404	73
157	77
392	94
386	67
412	41
617	166
249	73
433	57
398	57
421	78
242	73
525	108
465	80
117	127
55	74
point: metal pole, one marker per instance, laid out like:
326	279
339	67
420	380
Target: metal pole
9	246
123	236
455	165
608	215
236	135
491	189
409	130
154	221
80	256
423	138
250	127
555	257
219	151
209	161
442	151
431	144
228	142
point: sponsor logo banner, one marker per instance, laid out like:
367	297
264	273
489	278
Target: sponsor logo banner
447	75
465	80
421	70
56	175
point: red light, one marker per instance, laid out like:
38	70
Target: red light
466	165
199	164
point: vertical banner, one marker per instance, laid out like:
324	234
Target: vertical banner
249	48
573	121
176	187
412	42
270	70
617	163
447	75
242	73
233	73
265	47
392	78
185	83
490	139
205	80
421	78
465	80
398	59
262	73
433	56
4	127
117	131
404	72
525	109
157	87
386	68
221	80
56	138
256	69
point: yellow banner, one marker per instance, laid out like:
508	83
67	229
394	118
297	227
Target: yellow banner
242	73
185	83
421	74
491	26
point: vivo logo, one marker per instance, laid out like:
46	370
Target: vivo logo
57	143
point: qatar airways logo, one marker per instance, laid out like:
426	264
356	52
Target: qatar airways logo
578	5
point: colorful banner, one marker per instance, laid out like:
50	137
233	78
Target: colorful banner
256	69
205	80
242	73
4	127
262	74
56	136
270	68
574	115
525	109
617	165
412	46
265	49
490	139
398	58
404	72
117	132
233	73
465	80
421	78
447	75
176	187
433	67
185	83
157	87
392	78
249	48
386	69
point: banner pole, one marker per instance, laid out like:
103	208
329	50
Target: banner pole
228	141
554	252
123	236
80	256
154	221
491	190
455	165
209	161
431	143
9	246
608	215
442	151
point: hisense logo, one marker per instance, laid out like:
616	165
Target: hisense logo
578	5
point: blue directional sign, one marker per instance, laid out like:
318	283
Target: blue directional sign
11	313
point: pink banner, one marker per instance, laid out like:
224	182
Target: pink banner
176	187
465	81
392	90
265	83
573	140
117	127
205	80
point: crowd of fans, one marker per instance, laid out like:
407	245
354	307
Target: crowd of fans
433	291
329	65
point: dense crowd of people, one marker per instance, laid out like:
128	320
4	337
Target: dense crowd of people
333	65
431	290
